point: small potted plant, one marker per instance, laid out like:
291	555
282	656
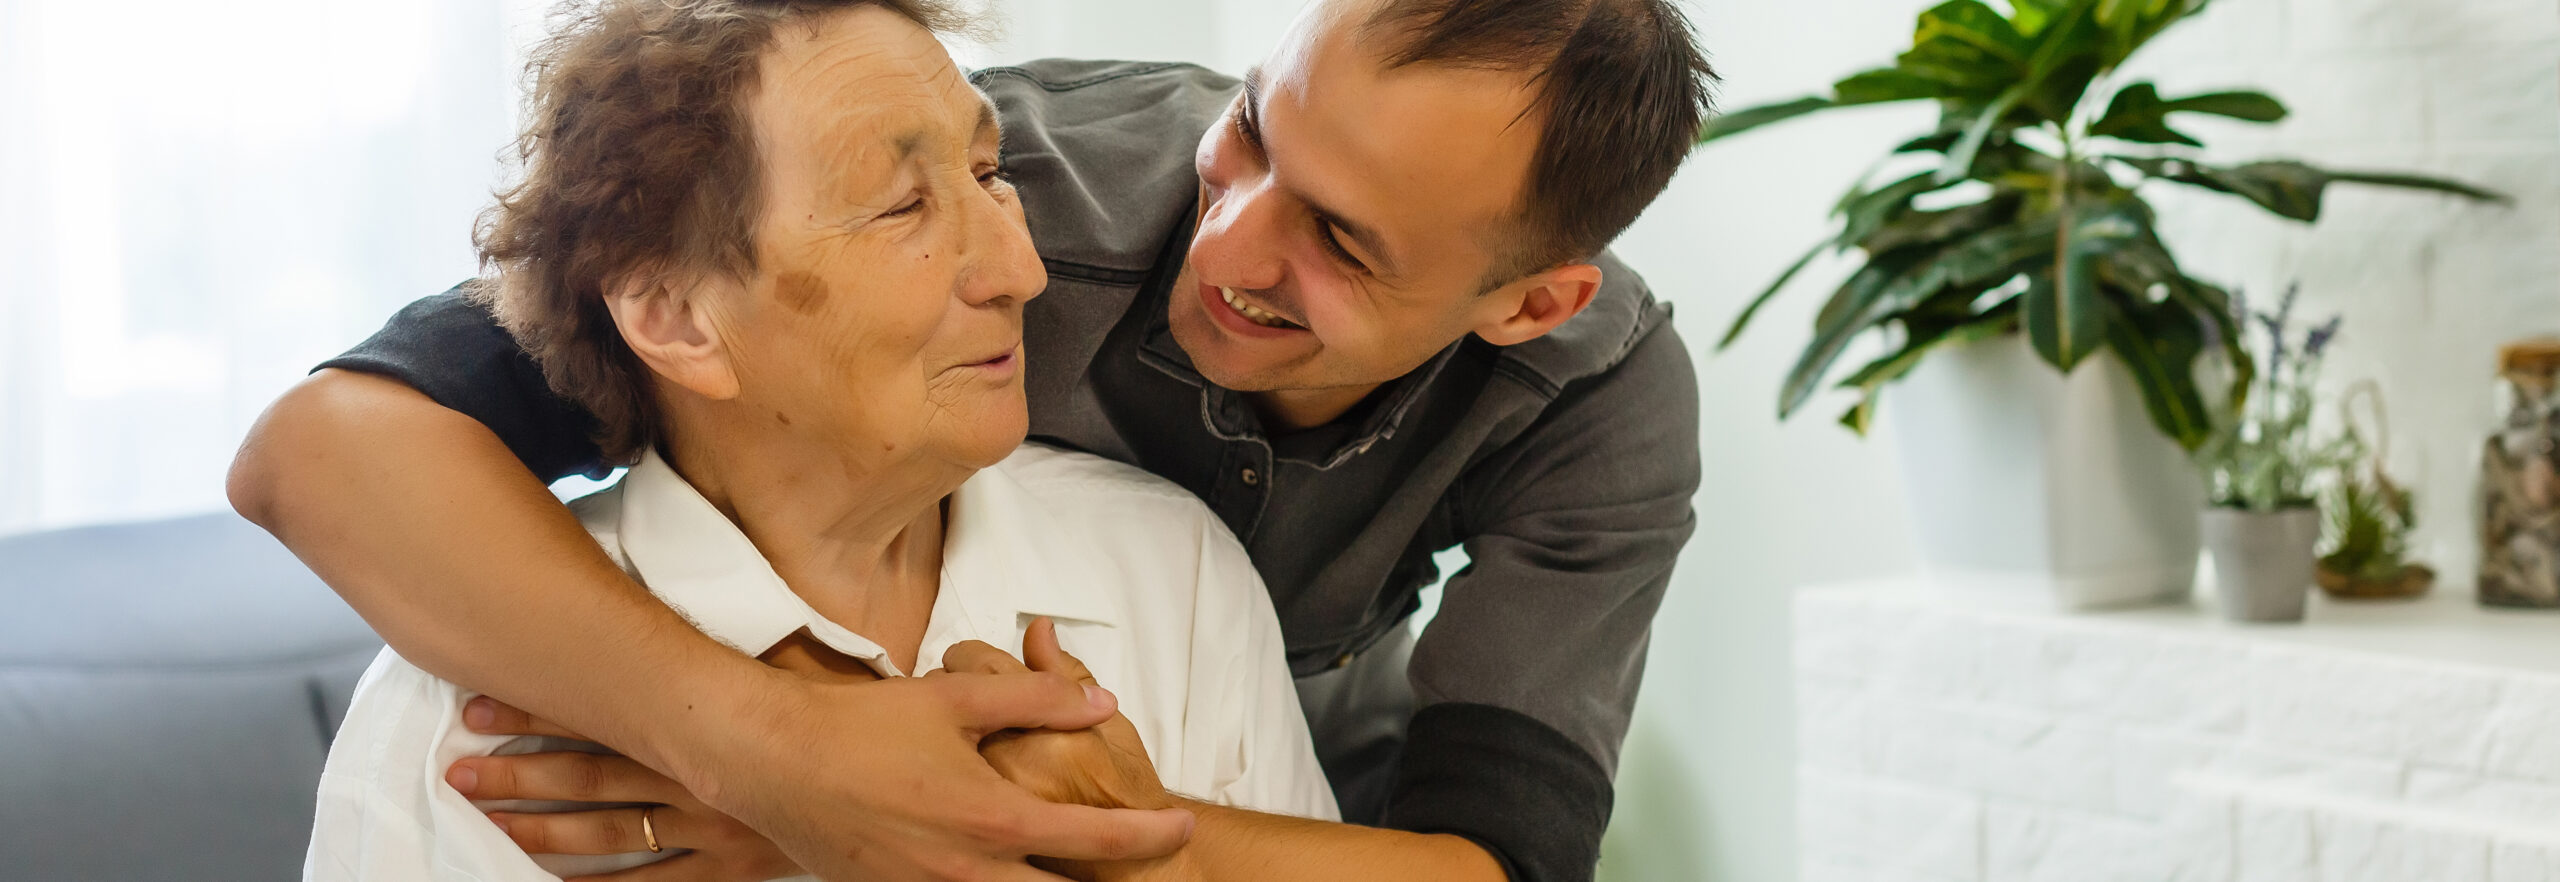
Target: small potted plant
2370	518
2263	523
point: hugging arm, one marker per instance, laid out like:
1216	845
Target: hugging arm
429	525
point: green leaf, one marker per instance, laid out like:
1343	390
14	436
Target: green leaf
2420	182
1959	162
1744	120
2159	347
2290	188
1924	227
2138	114
2258	107
1870	381
1960	68
1976	24
1883	85
1900	280
1862	211
1937	143
2061	312
1743	319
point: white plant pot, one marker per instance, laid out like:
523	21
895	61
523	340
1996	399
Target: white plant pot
2264	562
2057	489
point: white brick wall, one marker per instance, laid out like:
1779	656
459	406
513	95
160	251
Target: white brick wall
2430	285
1951	737
2462	87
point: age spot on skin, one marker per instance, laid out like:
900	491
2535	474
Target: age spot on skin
800	291
781	417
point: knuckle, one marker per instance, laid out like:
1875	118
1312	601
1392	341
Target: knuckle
583	776
533	833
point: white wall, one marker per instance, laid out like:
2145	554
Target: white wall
2461	87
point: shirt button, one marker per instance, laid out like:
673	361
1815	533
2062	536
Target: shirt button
1252	478
1342	661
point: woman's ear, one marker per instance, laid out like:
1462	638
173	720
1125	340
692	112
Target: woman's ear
675	333
1529	308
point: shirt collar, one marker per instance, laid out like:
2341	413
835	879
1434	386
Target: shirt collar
1005	558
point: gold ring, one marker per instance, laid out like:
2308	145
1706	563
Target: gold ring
648	831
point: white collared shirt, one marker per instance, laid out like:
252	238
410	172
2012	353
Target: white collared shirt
1148	589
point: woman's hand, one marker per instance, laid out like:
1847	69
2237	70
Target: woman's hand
717	847
1105	766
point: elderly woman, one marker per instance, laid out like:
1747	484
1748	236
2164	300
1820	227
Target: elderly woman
766	244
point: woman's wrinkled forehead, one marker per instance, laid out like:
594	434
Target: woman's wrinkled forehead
859	92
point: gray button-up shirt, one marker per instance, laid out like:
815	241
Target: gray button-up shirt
1564	467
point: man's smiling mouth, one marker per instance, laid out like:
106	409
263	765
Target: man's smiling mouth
1253	313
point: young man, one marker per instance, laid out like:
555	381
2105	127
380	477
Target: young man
1365	317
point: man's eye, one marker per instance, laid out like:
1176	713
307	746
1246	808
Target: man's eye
1333	244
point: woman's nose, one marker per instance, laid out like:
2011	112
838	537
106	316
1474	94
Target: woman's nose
1003	262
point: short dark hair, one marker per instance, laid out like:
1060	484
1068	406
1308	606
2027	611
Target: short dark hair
1624	86
637	156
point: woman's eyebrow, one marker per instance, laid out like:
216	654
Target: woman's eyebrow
913	140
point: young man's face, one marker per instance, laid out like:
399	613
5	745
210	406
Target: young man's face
1351	214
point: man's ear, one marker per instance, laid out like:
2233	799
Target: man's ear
1540	303
674	333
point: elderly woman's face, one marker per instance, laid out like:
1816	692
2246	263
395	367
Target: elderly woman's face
892	262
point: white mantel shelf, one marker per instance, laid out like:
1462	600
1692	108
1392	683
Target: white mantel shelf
1947	735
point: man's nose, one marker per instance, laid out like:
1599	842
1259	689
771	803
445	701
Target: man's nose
1238	244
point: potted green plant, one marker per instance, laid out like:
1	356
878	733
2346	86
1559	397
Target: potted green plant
2017	231
2369	518
2259	467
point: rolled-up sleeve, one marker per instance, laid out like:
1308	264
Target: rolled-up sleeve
454	352
1525	680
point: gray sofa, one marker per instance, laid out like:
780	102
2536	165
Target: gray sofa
167	693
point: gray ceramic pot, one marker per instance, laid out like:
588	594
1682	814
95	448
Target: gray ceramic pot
2263	561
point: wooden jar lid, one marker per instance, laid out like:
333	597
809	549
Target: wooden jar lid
2536	356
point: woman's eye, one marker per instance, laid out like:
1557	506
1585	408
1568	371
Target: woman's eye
913	205
991	177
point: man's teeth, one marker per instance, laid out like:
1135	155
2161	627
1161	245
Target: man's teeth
1247	310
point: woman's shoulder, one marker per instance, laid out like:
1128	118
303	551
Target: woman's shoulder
1073	483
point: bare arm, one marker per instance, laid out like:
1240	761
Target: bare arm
462	560
1235	844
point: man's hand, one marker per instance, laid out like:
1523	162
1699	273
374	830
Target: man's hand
1105	766
912	832
718	848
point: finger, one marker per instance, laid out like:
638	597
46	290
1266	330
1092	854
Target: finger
600	831
977	657
685	867
1084	833
489	716
562	775
1040	648
1028	700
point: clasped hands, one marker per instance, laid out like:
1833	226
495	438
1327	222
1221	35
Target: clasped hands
1103	766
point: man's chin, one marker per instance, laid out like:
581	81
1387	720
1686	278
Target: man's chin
1232	364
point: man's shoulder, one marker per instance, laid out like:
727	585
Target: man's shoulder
1102	152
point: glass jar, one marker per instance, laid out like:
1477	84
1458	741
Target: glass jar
2520	482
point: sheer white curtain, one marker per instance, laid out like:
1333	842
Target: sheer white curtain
197	202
